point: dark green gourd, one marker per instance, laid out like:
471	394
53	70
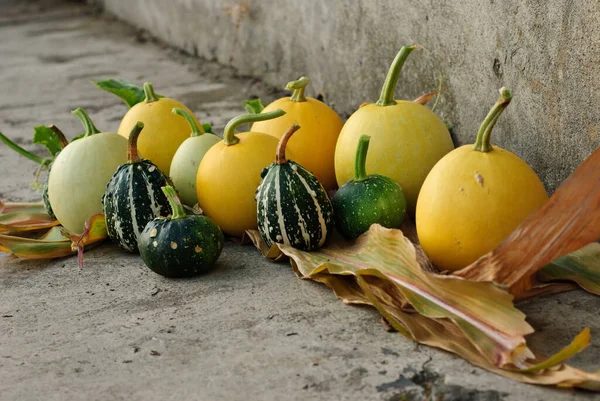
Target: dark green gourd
63	142
367	199
180	245
134	196
293	207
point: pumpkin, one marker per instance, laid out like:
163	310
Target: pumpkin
164	131
180	245
314	145
292	206
80	172
475	197
184	166
407	139
134	196
367	199
229	174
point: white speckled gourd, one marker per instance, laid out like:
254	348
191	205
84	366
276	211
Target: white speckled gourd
134	196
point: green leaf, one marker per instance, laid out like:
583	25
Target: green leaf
207	128
43	135
254	106
581	267
130	93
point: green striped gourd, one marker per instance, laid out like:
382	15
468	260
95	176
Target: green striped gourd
293	207
134	196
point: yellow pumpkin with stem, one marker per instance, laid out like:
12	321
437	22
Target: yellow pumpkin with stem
163	132
475	197
407	138
314	145
230	172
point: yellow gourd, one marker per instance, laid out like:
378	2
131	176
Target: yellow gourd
314	145
163	132
474	198
230	173
407	138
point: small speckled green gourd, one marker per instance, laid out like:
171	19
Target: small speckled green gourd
367	199
292	206
134	196
180	245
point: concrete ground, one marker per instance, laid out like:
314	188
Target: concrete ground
250	330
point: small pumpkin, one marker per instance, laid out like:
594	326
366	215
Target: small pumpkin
314	145
292	206
164	131
230	172
184	167
367	199
475	197
80	172
134	196
180	245
407	138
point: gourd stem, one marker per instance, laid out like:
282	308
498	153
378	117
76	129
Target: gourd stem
21	151
59	134
389	86
360	162
196	129
280	154
298	87
90	128
483	142
132	149
229	137
149	92
175	202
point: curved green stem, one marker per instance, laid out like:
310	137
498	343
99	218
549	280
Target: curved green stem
90	128
196	129
132	149
21	151
59	134
389	86
360	162
298	87
229	137
149	92
175	202
280	153
483	142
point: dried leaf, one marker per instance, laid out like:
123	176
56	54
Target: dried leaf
53	244
424	99
475	320
25	221
581	267
95	231
23	207
567	222
483	311
273	253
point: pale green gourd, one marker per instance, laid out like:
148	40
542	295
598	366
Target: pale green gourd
184	166
80	173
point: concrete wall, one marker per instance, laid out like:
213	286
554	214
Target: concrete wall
546	51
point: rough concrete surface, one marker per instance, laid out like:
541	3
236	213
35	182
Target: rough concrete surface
547	52
249	330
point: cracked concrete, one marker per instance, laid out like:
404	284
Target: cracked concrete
249	330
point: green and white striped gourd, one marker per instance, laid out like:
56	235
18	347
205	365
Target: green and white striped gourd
293	207
134	196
